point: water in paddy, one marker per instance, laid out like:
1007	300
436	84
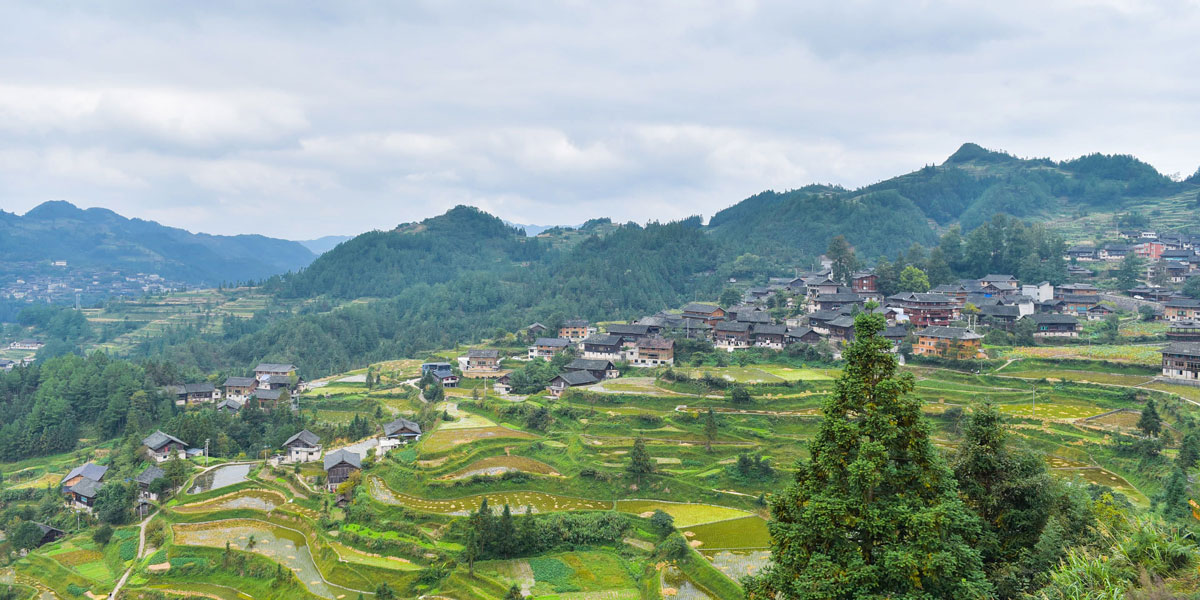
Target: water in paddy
736	564
220	477
674	579
248	500
278	544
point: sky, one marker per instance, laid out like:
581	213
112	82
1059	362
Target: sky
302	119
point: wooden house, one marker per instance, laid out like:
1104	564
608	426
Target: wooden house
240	388
570	379
402	430
1054	325
145	481
708	313
603	346
731	335
654	352
546	348
576	330
339	465
598	367
161	447
483	360
194	393
926	309
304	446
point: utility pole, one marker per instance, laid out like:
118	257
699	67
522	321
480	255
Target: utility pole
1035	400
205	452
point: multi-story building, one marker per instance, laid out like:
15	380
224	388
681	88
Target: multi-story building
948	342
927	309
575	330
1181	360
654	352
546	348
1181	309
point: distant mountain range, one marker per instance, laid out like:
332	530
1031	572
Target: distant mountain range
322	245
102	239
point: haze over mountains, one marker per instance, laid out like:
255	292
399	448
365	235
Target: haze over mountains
791	226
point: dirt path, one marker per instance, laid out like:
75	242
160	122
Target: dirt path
116	593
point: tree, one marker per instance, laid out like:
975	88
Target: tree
1009	489
1146	312
739	395
176	471
113	503
729	297
913	279
1150	422
1191	287
514	593
873	512
710	429
102	534
506	533
1129	271
842	255
1189	452
1173	500
663	522
384	592
26	536
640	462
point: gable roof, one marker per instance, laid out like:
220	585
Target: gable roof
701	308
552	342
573	378
1182	302
1053	318
158	439
895	332
268	394
623	329
306	436
589	364
86	487
575	323
338	457
844	321
483	353
994	278
839	297
192	388
150	475
231	404
733	327
401	425
1000	310
800	332
603	339
754	316
770	329
950	333
1185	348
240	381
88	470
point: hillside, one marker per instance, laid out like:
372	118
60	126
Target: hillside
971	186
102	239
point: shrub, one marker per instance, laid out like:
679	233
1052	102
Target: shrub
76	590
103	534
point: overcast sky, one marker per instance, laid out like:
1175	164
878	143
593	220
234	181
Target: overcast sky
305	119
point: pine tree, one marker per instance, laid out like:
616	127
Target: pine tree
842	255
1189	452
873	512
1150	422
506	533
640	462
710	429
1173	500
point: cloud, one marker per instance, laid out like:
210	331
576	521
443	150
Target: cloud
340	117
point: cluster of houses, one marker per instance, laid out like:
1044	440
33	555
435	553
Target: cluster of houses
1175	254
271	381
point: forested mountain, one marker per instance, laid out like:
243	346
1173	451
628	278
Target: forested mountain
324	244
102	239
971	186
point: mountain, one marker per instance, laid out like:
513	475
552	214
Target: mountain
99	238
322	245
531	230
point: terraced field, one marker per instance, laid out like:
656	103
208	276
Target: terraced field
685	515
496	465
446	439
539	502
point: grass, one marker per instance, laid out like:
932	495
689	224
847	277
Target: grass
685	515
502	463
446	439
540	502
1080	376
746	532
1130	353
735	374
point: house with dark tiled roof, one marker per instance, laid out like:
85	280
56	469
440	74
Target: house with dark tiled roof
229	405
1054	325
629	334
576	330
145	481
801	335
546	348
653	352
1000	316
1181	309
598	367
339	465
841	329
604	346
483	360
1099	312
926	309
708	313
402	429
837	300
769	335
1181	360
304	446
570	379
731	335
161	447
240	388
193	393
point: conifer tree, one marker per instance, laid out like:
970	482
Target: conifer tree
710	429
873	512
1150	422
640	462
1189	452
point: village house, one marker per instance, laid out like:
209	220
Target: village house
598	367
1181	309
240	388
896	334
193	393
1054	325
802	335
1098	312
546	348
754	317
1002	284
841	329
824	285
708	313
837	300
1177	272
731	335
1079	304
695	328
603	346
265	370
483	360
267	398
820	320
957	343
144	481
1082	253
402	430
1001	316
1076	289
81	485
864	282
654	352
1113	252
1078	272
570	379
304	446
536	329
1184	331
339	465
1181	360
27	344
926	309
769	335
49	534
575	330
629	334
229	405
91	471
7	365
441	372
161	447
502	385
1149	250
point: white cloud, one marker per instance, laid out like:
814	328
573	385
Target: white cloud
339	117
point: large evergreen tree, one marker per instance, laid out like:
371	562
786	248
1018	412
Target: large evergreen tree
874	512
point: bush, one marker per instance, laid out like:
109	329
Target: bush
103	534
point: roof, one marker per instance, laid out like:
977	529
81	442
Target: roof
46	528
997	310
754	316
950	333
338	457
305	436
623	329
1049	318
733	326
537	325
895	331
698	307
575	323
993	278
800	332
1077	286
86	487
922	298
555	342
483	353
839	297
770	329
150	475
1081	298
656	343
240	381
603	339
274	379
573	378
89	470
275	367
1182	303
1185	348
193	388
268	394
1100	307
159	439
399	426
230	403
589	364
844	321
